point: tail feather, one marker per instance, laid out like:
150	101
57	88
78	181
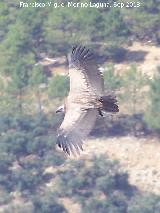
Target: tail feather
109	103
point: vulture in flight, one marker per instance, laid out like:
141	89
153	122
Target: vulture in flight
86	100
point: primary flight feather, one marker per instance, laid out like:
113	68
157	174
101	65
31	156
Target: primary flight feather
86	100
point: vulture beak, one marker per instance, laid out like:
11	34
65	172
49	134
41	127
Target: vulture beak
60	109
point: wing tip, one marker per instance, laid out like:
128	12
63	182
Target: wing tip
81	53
68	146
62	144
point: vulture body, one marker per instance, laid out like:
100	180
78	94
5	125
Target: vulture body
86	100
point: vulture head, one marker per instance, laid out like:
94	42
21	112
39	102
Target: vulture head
60	109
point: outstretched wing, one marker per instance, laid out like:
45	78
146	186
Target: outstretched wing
76	125
86	83
84	73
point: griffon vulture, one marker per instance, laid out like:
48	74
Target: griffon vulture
86	100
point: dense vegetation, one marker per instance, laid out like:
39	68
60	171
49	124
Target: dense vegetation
29	94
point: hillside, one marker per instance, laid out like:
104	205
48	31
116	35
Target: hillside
119	169
145	55
140	157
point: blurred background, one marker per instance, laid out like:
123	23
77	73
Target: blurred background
119	170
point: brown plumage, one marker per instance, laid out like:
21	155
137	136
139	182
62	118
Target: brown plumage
109	104
85	101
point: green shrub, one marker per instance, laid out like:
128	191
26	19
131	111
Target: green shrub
145	203
47	203
58	86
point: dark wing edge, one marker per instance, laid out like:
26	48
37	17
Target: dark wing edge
84	59
70	142
80	55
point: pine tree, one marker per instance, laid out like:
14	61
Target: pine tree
133	82
36	80
58	87
152	114
112	81
133	97
66	27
